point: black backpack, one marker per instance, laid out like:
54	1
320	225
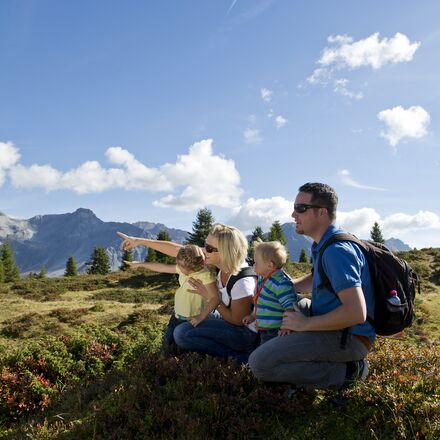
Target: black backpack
387	273
244	272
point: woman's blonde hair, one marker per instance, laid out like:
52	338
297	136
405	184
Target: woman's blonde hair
190	257
272	251
232	247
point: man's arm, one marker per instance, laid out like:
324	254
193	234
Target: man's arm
303	284
352	311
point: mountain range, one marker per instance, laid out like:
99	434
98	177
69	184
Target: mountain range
49	240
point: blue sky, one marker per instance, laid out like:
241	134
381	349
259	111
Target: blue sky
149	110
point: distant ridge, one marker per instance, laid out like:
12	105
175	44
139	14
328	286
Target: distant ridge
49	240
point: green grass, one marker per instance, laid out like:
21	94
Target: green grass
78	360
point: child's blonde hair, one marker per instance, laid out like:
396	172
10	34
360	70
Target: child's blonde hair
272	251
190	257
232	247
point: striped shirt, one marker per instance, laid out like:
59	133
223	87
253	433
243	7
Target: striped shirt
277	295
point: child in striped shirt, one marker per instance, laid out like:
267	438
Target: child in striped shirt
275	292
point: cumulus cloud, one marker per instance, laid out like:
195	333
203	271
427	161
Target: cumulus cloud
262	212
208	179
266	94
9	156
280	121
404	123
199	178
347	179
408	227
373	52
252	136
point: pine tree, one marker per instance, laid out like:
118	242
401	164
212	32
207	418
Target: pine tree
2	274
151	256
201	227
257	235
303	258
100	263
71	269
126	256
11	272
376	233
42	274
276	233
163	235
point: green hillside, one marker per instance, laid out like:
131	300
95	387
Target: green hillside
79	360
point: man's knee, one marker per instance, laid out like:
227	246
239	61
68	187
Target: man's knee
257	363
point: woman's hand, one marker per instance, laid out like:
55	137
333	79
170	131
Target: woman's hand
199	288
195	320
128	243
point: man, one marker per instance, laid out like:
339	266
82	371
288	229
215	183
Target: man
319	353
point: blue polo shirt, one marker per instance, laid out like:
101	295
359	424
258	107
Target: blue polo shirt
345	266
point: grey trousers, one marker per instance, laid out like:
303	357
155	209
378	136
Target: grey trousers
306	359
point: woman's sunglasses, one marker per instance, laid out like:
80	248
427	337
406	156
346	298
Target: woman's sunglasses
303	207
210	249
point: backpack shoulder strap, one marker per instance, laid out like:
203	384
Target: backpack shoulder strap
244	273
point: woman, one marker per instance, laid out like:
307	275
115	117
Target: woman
225	248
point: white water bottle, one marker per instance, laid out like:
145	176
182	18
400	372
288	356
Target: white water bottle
393	298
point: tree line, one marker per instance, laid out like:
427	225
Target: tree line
99	262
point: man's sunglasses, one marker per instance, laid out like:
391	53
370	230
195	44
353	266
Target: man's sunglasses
210	249
303	207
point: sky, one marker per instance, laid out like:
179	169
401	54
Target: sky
147	110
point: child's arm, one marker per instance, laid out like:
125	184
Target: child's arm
155	267
165	247
213	301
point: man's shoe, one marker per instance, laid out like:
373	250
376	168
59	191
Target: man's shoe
357	371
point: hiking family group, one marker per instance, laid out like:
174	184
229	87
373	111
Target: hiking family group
259	316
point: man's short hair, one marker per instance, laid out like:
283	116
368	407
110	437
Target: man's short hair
322	195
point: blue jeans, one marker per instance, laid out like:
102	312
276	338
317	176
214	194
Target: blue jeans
168	339
216	337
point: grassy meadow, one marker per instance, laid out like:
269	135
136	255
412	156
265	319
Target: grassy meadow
79	360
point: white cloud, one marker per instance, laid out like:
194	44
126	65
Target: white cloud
208	179
399	222
340	86
252	136
266	94
270	113
261	212
199	178
410	123
369	52
9	155
358	221
280	121
347	179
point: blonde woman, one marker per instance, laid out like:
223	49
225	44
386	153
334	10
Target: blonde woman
226	336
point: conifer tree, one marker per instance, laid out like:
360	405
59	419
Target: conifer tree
100	263
2	274
376	233
257	235
11	272
71	268
201	227
303	258
151	256
276	233
42	274
126	256
163	235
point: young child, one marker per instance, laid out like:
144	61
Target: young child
275	292
188	306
